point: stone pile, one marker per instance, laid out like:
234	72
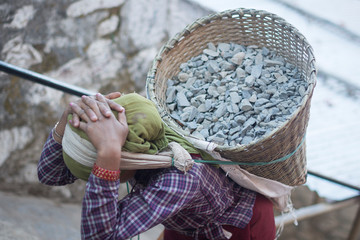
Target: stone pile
233	94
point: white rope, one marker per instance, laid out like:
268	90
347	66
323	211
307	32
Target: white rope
83	152
79	149
289	209
182	159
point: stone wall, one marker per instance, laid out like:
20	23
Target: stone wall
99	45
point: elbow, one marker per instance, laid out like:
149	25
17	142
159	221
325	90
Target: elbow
42	174
42	177
101	229
42	180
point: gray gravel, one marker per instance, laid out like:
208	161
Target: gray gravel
233	94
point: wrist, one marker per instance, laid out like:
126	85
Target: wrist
106	174
56	135
109	159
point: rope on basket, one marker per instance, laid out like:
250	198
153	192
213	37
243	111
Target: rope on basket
253	163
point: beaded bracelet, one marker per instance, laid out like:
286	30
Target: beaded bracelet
105	174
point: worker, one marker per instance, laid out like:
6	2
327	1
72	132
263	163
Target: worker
202	204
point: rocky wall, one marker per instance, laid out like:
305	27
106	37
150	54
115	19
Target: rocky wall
99	45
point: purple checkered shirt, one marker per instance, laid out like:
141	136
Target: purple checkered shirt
196	204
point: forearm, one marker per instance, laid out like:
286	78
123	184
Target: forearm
51	167
99	209
104	217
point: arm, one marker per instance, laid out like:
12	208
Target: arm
103	217
51	167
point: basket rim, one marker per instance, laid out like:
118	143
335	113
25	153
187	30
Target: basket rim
231	13
203	21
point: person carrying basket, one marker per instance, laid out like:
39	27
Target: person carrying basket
202	204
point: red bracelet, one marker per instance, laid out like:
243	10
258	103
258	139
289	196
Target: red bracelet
106	174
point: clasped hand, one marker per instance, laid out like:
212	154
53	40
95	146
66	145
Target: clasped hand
106	132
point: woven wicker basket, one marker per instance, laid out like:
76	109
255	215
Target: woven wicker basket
246	27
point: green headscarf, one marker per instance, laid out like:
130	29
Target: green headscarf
147	132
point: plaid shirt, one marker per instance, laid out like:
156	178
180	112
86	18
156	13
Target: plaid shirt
195	204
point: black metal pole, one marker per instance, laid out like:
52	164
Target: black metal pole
330	179
72	89
44	80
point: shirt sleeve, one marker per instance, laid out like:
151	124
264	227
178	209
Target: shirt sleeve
51	166
103	217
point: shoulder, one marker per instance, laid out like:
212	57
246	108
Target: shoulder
169	188
197	173
171	180
207	172
173	177
198	177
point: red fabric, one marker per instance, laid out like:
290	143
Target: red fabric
261	225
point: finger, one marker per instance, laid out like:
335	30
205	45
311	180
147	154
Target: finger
101	98
91	108
82	126
103	105
115	106
122	118
84	103
79	111
75	117
113	95
75	120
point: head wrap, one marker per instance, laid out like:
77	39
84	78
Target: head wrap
147	134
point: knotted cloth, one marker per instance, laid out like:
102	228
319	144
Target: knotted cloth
147	135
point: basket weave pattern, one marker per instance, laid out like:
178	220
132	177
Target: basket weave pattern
245	27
